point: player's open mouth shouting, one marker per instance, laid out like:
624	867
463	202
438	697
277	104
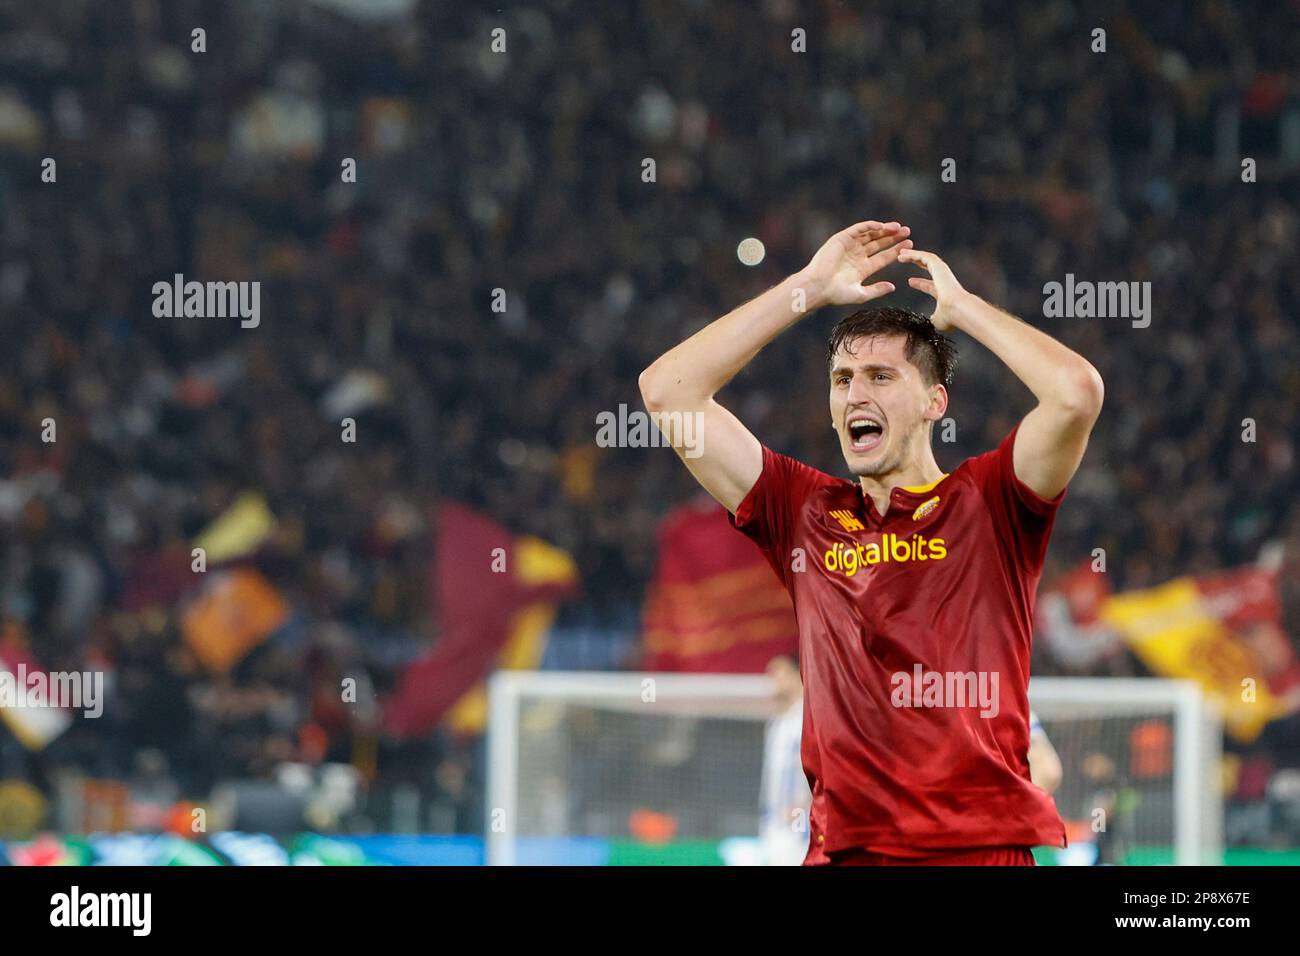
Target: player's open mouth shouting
866	431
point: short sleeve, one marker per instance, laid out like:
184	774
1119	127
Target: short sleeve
1026	516
770	512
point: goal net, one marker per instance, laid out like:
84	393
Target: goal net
609	768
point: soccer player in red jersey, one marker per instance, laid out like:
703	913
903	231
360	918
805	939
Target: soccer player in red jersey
914	588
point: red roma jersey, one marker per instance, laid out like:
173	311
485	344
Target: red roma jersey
914	641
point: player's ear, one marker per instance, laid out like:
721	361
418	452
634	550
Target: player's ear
938	406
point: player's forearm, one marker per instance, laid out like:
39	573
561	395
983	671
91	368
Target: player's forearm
1057	375
691	373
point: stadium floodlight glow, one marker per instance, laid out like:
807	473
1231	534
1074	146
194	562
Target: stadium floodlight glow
751	251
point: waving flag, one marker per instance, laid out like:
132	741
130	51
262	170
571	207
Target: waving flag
497	595
714	604
1208	628
235	612
34	726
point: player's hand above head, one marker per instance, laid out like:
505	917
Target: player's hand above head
942	286
837	274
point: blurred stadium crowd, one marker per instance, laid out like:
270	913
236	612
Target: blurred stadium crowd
522	171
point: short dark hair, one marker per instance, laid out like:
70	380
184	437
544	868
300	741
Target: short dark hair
933	353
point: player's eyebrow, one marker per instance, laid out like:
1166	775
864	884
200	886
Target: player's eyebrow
869	369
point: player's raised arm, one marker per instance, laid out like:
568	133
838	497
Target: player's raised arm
721	453
1052	437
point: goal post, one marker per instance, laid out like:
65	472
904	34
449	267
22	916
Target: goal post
586	767
531	749
1153	748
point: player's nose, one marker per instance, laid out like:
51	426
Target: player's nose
859	390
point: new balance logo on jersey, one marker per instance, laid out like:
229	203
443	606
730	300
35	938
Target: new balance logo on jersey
848	520
847	558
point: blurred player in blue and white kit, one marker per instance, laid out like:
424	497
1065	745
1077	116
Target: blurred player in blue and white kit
1044	764
786	797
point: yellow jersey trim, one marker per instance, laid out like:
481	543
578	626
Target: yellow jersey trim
922	489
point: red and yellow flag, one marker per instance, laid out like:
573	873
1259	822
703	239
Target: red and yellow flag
1206	628
714	604
497	595
33	726
236	611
